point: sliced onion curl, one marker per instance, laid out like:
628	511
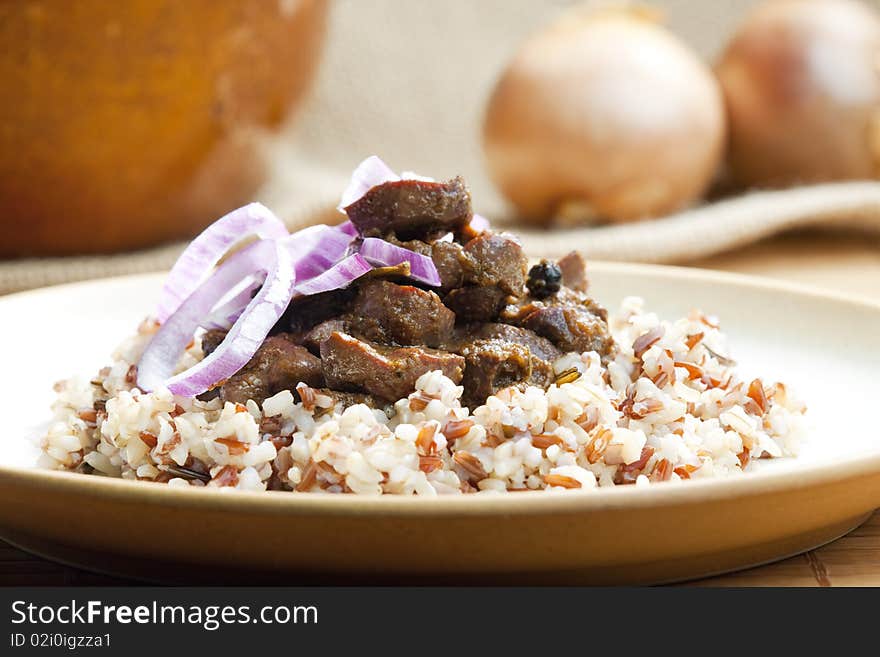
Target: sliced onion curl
317	248
348	228
196	262
478	224
277	267
339	276
156	367
225	314
314	250
370	173
384	254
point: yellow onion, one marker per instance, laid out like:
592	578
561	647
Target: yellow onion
604	113
801	83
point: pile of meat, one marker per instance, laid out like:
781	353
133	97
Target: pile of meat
492	323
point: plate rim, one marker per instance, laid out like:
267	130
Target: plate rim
605	266
527	502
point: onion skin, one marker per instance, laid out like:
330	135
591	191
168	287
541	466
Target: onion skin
802	89
608	112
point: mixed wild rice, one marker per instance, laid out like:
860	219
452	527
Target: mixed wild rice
668	407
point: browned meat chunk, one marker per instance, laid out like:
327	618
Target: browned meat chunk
448	257
540	347
278	365
387	372
475	304
517	311
491	365
363	328
211	340
304	313
496	260
569	297
400	314
500	355
574	271
571	328
313	339
412	208
389	314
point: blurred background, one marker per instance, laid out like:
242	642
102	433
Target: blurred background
410	82
735	134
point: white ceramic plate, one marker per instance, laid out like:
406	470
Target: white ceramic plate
824	346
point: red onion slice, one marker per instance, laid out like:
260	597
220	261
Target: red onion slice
411	175
197	261
337	277
157	364
478	224
317	248
384	254
225	314
348	228
314	250
369	173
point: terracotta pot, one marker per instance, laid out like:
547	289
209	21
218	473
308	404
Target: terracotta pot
128	124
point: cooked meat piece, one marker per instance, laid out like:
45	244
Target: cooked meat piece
212	339
470	340
571	320
516	312
491	365
400	314
278	365
412	208
545	279
496	260
304	313
312	340
540	347
389	314
568	296
542	373
475	303
448	258
419	246
574	271
571	328
366	328
387	372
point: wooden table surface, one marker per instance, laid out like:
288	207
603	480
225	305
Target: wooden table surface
844	262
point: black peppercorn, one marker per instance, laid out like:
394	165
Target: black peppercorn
544	280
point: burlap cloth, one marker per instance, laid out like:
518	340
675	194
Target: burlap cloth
409	80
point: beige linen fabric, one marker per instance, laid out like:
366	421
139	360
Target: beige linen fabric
408	81
721	226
